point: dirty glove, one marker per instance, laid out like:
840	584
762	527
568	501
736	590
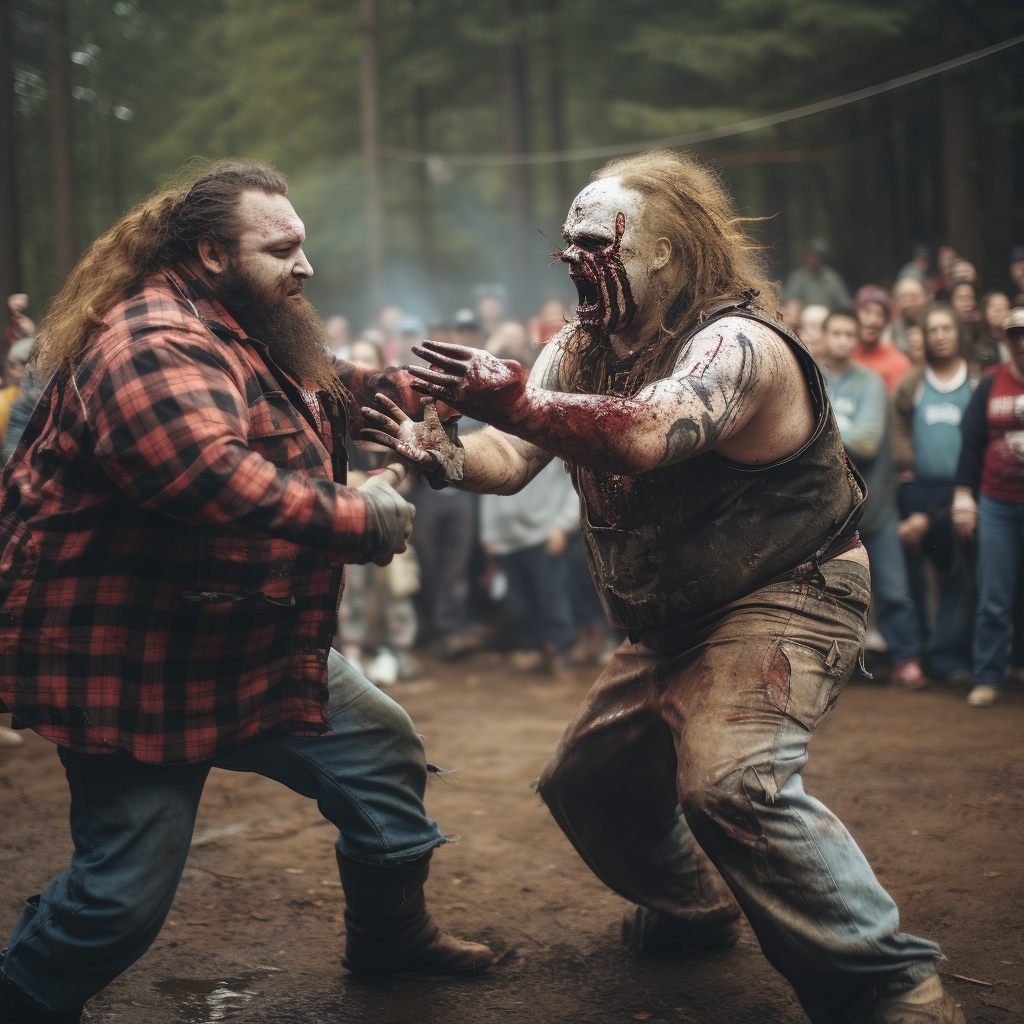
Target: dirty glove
392	514
433	447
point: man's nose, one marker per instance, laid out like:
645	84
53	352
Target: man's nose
302	266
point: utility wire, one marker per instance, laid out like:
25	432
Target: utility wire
740	127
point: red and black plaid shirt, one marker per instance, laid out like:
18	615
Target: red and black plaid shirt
171	533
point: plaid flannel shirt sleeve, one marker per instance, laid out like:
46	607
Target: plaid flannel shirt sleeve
396	382
170	425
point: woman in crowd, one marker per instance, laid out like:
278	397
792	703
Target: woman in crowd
991	346
992	467
929	405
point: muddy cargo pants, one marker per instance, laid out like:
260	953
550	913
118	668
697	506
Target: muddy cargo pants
699	737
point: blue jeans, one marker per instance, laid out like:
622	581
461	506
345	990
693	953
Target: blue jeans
897	616
949	638
695	740
132	826
538	589
1000	540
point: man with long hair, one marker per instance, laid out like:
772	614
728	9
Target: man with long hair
720	519
173	533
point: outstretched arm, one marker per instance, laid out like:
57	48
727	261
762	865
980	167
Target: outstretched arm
395	383
720	386
486	461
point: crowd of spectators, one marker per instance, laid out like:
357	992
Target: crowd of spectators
926	380
501	572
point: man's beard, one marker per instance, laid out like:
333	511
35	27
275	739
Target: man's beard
290	328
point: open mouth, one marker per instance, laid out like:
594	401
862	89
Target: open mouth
588	297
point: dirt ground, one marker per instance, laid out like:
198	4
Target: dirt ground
931	790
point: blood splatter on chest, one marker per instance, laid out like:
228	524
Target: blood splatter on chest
609	496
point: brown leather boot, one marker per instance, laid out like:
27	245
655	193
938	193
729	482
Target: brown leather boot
388	929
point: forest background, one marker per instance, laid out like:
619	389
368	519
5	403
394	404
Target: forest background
368	106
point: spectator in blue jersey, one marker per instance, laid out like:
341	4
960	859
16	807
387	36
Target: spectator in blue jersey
928	407
861	407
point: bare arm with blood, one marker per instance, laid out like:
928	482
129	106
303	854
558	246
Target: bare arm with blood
738	390
486	461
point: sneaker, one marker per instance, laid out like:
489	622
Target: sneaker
526	661
925	1004
382	671
10	737
907	672
982	695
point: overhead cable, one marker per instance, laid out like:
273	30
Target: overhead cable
740	127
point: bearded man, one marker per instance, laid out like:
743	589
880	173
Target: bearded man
719	514
174	528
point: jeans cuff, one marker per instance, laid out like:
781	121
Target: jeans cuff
910	977
397	857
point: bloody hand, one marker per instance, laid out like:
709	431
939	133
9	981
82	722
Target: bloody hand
474	381
438	455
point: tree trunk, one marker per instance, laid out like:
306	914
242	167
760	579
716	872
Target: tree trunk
958	161
958	146
62	142
10	238
424	203
556	106
371	151
513	122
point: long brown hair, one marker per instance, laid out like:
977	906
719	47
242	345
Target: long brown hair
159	231
713	258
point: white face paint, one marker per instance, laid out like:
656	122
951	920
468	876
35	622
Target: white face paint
602	232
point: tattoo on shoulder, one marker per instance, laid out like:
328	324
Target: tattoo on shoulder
720	368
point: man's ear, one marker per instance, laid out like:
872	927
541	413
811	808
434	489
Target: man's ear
213	255
660	255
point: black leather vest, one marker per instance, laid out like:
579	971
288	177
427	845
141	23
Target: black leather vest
700	533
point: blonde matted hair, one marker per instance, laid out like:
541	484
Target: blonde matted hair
713	258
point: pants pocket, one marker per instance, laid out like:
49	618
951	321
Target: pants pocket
803	682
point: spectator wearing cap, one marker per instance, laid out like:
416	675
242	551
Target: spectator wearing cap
918	266
989	501
872	314
927	411
1017	275
816	283
909	296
